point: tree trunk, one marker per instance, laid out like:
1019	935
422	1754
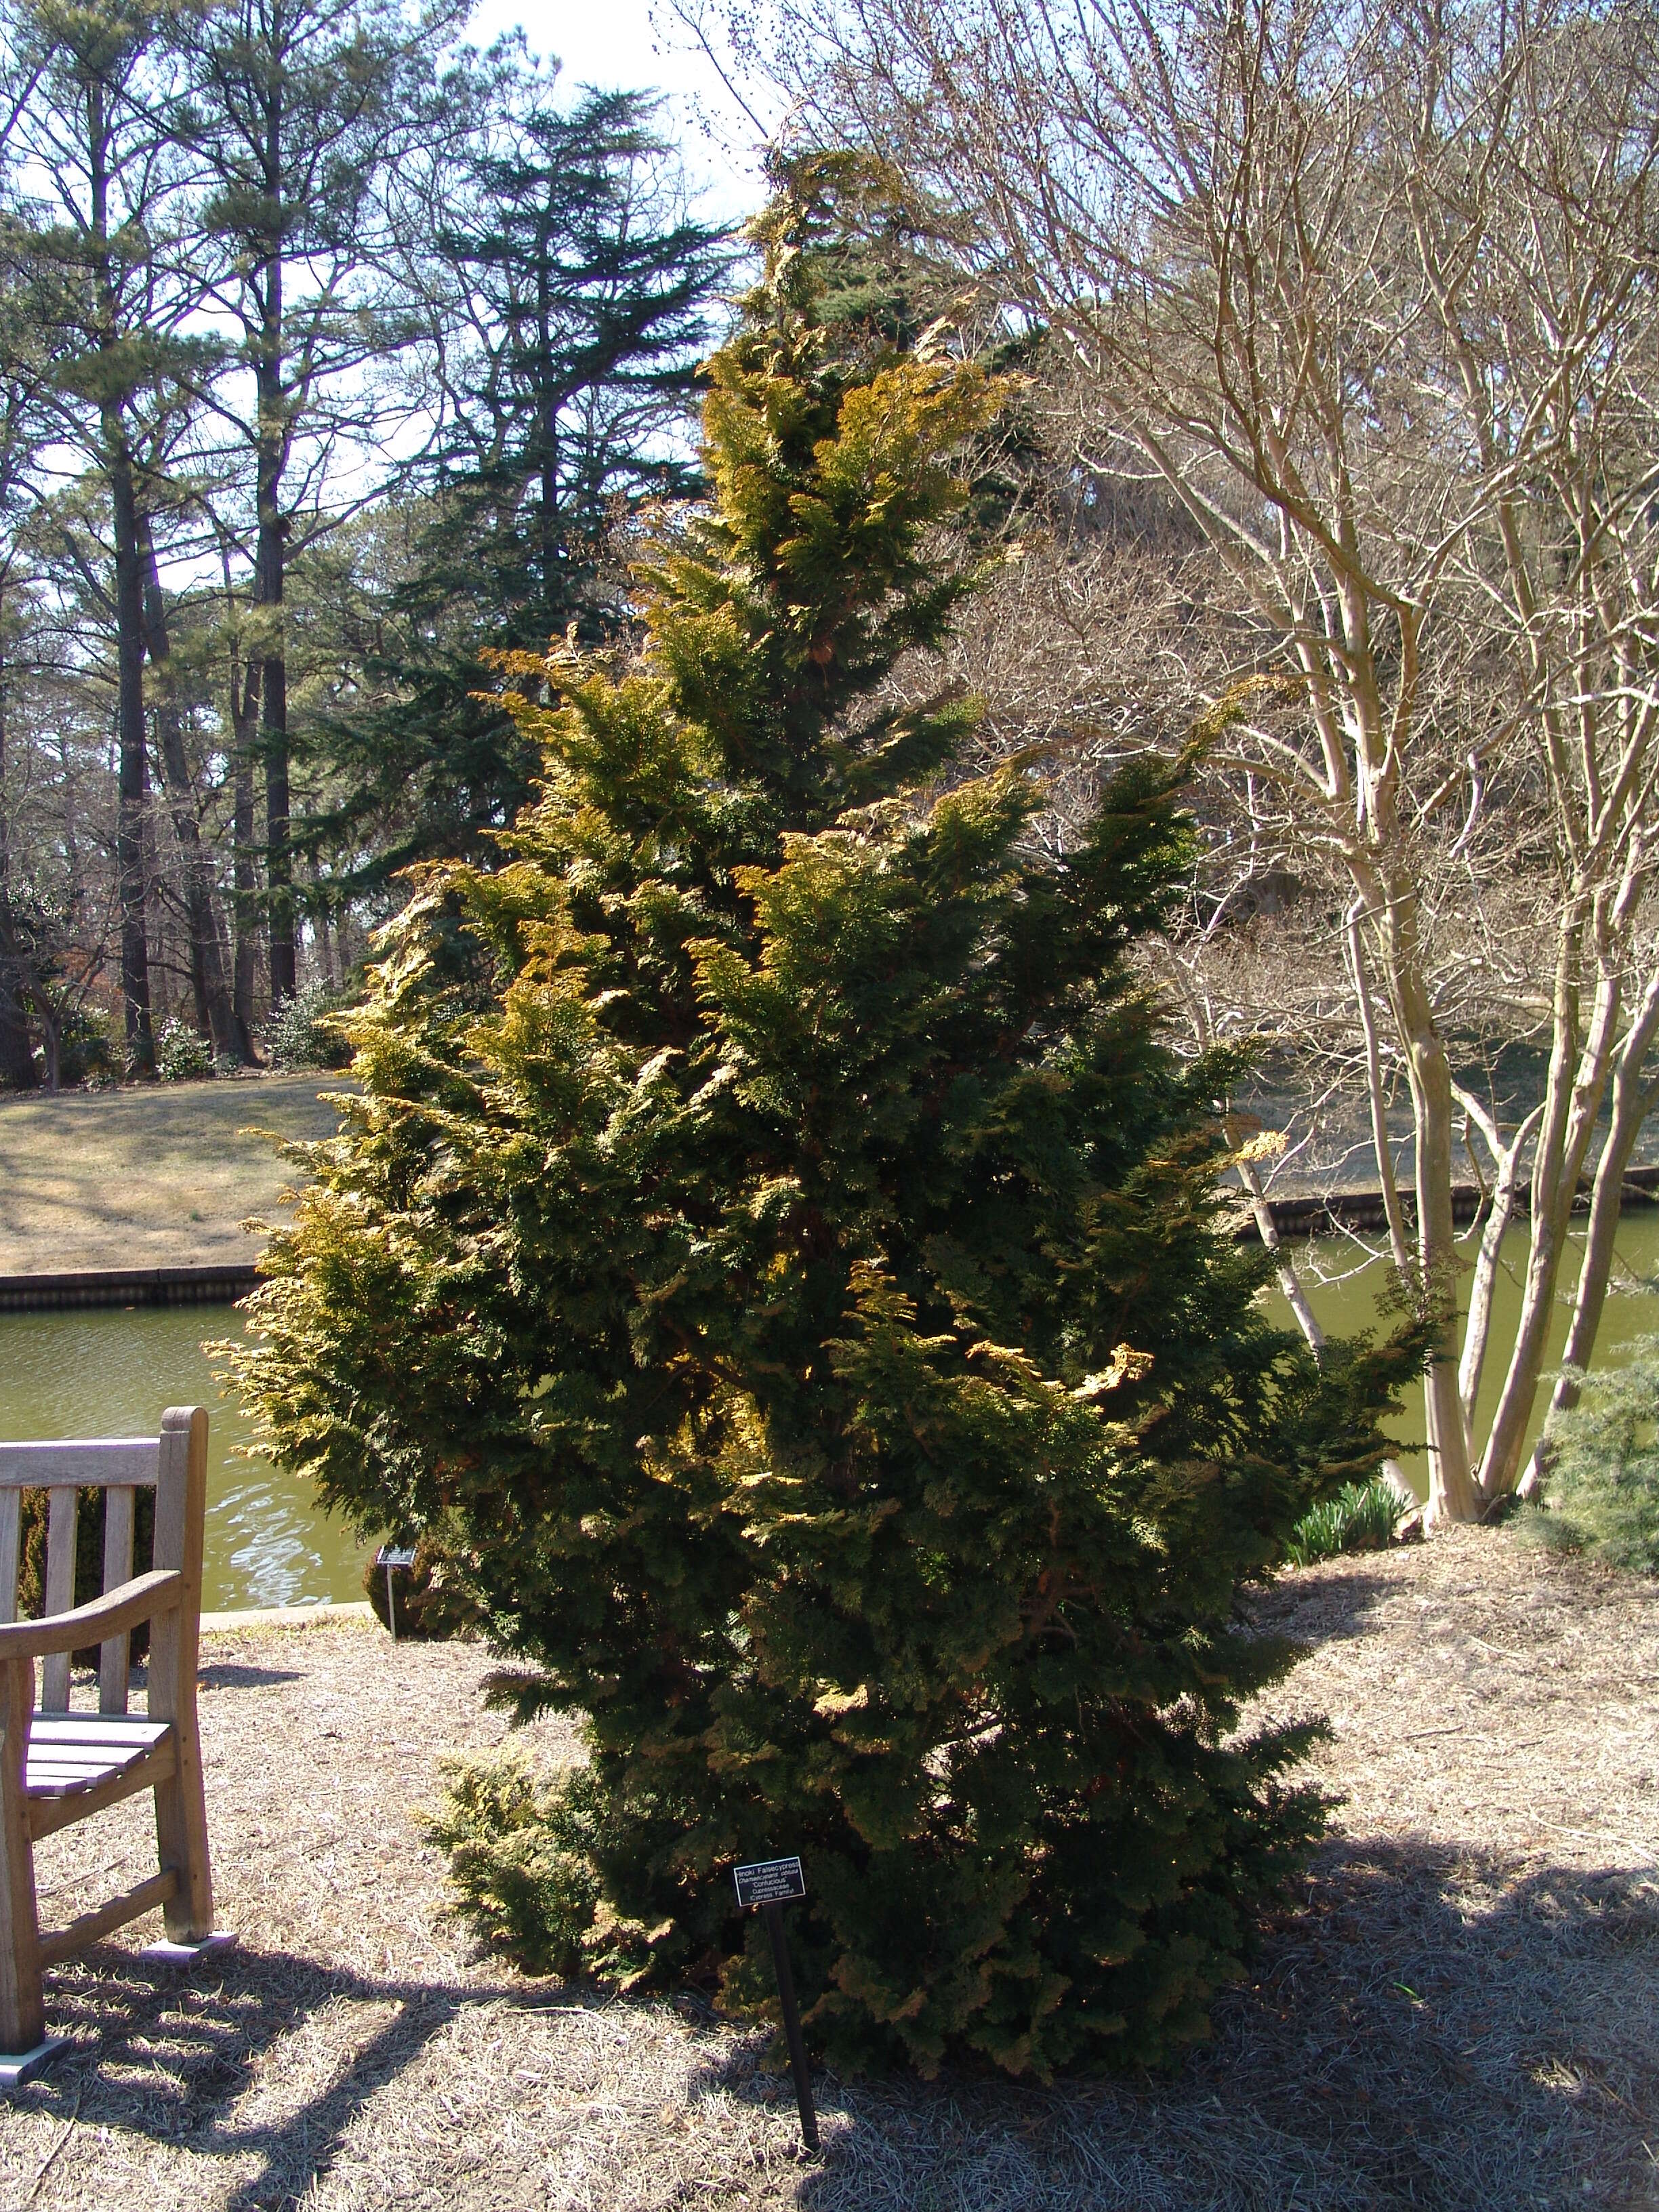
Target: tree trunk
270	564
1453	1492
1577	1081
215	1015
134	779
1289	1281
279	857
245	903
17	1069
1633	1100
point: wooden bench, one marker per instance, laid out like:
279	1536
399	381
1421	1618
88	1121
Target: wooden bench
57	1766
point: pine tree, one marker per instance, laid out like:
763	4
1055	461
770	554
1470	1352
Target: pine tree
566	299
777	1257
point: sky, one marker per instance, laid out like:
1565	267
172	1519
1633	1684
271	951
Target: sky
635	45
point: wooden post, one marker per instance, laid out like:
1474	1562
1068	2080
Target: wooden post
180	1808
22	2006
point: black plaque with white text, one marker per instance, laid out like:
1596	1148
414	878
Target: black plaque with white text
769	1881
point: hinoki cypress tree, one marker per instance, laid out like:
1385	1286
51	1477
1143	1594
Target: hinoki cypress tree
776	1256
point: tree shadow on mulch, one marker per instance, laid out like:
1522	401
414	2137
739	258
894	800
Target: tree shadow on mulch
1425	2028
229	1674
1457	2031
167	2054
1330	1609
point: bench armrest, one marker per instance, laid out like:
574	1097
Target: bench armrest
142	1599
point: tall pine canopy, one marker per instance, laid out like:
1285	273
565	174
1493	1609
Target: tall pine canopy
776	1258
568	297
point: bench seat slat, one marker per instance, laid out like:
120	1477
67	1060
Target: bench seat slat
72	1752
92	1728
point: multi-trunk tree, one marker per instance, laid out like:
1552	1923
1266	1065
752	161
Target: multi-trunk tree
1363	297
775	1257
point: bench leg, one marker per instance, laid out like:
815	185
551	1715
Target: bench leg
22	2003
181	1840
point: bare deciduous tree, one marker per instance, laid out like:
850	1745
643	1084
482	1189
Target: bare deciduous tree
1369	292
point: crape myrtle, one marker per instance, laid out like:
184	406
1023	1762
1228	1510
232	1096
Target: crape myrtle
777	1257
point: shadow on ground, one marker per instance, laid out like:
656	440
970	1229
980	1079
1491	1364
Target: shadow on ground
227	1674
1427	2029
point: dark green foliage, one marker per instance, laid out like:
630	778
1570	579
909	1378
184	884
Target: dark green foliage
1602	1492
1359	1517
775	1253
85	1051
431	1601
565	383
306	1031
89	1557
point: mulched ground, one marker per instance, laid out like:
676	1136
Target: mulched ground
1458	2010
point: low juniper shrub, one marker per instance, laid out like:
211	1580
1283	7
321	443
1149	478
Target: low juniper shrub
1601	1489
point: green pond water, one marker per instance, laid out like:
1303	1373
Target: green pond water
1345	1303
108	1372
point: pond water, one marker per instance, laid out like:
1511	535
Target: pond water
109	1371
1346	1302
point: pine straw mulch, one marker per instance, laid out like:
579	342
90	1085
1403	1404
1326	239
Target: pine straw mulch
1458	2010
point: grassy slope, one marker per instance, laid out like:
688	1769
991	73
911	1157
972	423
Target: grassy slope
153	1177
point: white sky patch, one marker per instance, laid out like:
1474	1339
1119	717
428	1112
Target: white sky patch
639	45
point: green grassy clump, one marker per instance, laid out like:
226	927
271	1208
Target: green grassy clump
1602	1493
1359	1517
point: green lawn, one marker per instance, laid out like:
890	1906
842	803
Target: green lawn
160	1176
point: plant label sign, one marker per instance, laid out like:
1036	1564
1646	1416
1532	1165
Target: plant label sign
769	1881
395	1555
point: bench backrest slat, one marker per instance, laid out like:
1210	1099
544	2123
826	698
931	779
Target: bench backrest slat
59	1593
174	1465
88	1462
120	1500
11	1524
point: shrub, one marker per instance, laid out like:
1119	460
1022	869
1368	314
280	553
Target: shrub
1602	1495
520	1860
1359	1517
433	1603
85	1052
774	1242
304	1032
182	1054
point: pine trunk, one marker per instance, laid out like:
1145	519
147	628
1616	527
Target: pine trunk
134	764
215	1015
17	1069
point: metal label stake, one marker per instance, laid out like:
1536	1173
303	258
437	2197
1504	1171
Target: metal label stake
390	1556
769	1885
